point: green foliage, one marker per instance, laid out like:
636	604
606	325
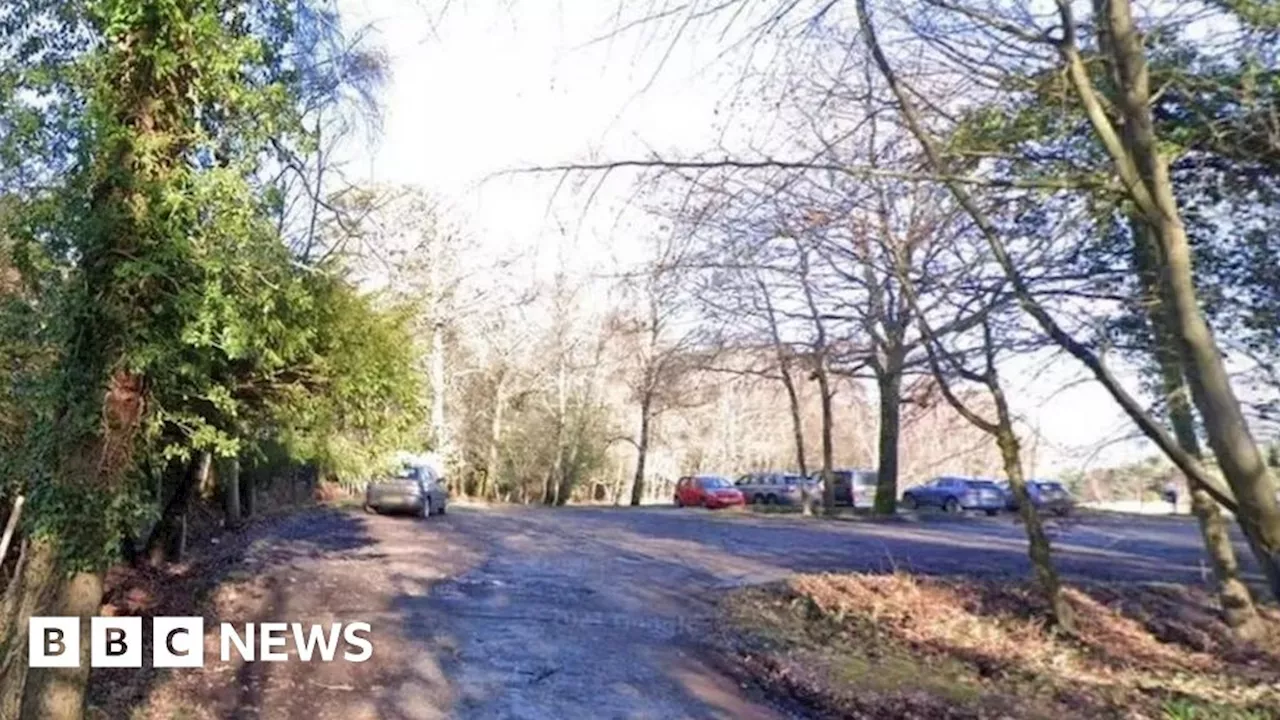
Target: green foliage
370	403
149	308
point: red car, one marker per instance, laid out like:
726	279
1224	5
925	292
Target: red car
709	491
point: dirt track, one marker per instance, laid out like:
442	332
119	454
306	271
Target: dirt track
573	613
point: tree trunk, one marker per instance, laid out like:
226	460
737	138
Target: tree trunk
495	440
166	538
797	424
642	451
59	693
229	479
11	526
797	428
31	592
551	491
439	434
828	445
1237	603
248	493
1146	172
1038	546
890	390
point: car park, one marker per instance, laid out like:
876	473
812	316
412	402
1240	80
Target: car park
416	488
709	491
1046	496
953	494
775	488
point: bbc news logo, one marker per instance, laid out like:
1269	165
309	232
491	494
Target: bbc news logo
178	642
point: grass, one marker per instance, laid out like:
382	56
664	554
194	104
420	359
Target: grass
899	646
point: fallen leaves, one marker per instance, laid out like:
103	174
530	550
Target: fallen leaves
907	646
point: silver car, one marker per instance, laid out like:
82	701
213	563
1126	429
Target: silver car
773	488
412	488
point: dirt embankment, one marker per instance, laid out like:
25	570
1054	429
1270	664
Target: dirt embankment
899	646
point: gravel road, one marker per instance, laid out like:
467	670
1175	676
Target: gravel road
597	612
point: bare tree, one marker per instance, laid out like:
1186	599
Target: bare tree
661	343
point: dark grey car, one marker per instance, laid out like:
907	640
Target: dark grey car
413	488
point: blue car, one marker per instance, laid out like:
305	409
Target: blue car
954	494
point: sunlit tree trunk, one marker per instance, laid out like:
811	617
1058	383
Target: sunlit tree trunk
1145	171
1038	547
1237	602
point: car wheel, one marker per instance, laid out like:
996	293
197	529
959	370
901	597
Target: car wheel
757	499
909	502
771	499
676	501
426	508
992	513
370	509
952	505
443	509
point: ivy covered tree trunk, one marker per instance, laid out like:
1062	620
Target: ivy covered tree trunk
1238	607
1140	161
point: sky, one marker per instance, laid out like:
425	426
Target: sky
490	86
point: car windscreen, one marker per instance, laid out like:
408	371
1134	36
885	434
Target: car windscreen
408	473
714	482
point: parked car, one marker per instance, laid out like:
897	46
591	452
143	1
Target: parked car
954	494
709	491
1046	496
773	488
856	488
411	488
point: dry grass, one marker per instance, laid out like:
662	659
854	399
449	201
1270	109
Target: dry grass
904	646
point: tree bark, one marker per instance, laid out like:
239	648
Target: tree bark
1145	173
248	493
167	537
31	592
495	440
59	693
797	424
642	452
828	443
1238	608
229	479
797	427
11	526
1039	549
889	381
